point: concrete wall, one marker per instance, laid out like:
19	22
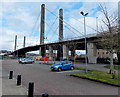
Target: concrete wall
65	52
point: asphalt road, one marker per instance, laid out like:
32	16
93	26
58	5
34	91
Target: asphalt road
56	83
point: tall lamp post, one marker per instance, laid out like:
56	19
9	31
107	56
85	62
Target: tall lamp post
17	51
85	14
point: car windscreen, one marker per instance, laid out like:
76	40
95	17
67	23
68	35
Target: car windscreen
22	59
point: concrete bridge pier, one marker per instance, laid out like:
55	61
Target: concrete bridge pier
65	52
73	53
42	51
50	53
59	53
91	52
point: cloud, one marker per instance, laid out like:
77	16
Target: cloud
20	18
79	26
59	0
41	1
8	38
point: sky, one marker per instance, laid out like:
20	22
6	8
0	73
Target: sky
22	18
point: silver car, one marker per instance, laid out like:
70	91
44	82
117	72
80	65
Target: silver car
25	60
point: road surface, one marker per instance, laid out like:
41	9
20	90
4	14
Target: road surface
56	83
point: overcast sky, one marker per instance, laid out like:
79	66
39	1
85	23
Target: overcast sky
22	19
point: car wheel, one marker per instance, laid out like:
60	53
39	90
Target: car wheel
71	67
59	69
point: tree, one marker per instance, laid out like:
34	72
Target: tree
118	53
109	34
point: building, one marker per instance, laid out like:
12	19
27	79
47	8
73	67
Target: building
105	54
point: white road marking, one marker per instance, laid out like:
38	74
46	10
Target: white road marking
28	64
68	71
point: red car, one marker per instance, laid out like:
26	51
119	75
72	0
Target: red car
44	59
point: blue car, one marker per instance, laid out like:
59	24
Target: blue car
62	65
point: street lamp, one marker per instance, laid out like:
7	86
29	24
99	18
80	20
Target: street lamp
17	51
97	24
85	38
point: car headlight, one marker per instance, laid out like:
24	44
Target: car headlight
56	67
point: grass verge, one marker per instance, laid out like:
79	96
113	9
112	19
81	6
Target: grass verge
99	76
115	67
79	68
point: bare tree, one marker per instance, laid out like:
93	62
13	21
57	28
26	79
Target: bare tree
118	53
109	40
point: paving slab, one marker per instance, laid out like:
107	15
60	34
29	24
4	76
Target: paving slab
8	86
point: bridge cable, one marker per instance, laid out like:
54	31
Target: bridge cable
64	22
83	23
71	30
52	29
51	26
34	26
35	23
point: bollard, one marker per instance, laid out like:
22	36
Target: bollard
31	89
18	80
45	95
11	75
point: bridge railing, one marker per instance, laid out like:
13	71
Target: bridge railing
80	37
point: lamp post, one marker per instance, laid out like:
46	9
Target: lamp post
85	39
97	24
17	51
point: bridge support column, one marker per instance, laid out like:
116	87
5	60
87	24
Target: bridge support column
91	52
72	53
59	52
65	52
42	51
50	53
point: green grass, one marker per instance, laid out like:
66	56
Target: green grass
115	67
100	76
79	63
79	68
82	63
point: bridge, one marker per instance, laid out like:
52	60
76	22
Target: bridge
62	46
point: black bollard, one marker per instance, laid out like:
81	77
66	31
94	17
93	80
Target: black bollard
45	95
11	75
18	80
31	89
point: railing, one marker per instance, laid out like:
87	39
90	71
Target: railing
70	39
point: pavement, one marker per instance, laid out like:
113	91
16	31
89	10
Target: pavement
8	86
99	67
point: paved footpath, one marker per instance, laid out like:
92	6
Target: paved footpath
99	67
8	86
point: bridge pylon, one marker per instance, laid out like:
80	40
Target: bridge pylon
42	29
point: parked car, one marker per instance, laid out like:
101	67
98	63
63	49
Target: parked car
25	60
62	65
